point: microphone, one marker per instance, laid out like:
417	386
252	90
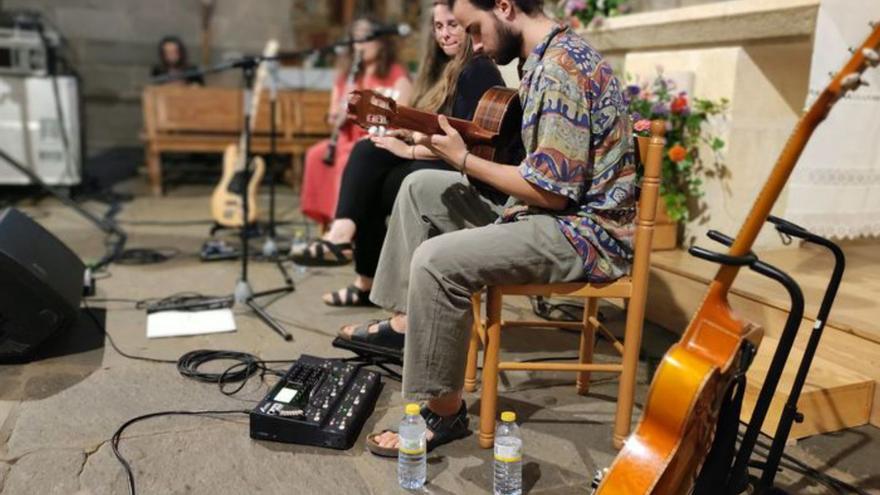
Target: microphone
401	29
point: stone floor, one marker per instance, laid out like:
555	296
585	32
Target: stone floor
58	414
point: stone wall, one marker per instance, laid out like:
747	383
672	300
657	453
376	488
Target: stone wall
113	46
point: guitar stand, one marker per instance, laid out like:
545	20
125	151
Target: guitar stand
372	355
739	479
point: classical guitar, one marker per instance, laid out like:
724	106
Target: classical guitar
227	199
665	452
493	134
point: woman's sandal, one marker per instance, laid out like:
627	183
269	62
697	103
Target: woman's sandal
385	336
354	296
445	429
323	250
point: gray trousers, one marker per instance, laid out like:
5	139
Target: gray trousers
442	246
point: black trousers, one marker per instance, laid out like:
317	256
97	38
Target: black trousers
369	187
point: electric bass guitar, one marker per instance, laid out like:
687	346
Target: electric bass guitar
665	452
228	197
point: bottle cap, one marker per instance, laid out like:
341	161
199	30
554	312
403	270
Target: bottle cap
508	416
412	409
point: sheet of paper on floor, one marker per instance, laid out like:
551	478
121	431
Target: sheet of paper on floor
183	323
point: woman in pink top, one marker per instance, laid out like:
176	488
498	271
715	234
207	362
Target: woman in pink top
378	70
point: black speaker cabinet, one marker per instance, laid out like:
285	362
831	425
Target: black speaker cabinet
41	283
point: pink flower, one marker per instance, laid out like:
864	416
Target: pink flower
642	125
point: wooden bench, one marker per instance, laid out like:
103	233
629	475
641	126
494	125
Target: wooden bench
206	120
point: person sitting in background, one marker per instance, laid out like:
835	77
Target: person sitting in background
451	81
379	70
172	61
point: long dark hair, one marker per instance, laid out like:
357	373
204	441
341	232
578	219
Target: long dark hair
387	53
181	49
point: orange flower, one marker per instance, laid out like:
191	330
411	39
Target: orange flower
677	153
679	104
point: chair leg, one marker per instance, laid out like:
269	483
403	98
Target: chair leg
470	374
632	342
489	398
588	340
154	170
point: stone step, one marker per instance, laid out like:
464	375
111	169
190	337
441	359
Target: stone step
833	398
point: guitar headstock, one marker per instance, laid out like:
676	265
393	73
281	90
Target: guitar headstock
864	57
373	110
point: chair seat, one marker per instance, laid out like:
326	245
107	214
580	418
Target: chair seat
621	287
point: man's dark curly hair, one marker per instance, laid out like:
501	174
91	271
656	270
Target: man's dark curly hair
530	7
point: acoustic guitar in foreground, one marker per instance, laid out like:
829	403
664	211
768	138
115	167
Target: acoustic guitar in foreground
665	452
227	200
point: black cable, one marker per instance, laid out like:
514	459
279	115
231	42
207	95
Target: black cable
146	256
113	342
117	436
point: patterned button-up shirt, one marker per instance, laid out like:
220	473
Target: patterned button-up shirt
578	141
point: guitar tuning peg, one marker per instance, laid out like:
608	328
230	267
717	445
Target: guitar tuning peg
853	82
851	49
381	131
372	130
871	57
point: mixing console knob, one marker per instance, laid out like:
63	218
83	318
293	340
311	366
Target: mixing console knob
348	413
356	401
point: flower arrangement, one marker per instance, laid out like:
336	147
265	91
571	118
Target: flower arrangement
590	13
683	167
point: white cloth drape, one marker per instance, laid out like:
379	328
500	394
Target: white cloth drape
835	188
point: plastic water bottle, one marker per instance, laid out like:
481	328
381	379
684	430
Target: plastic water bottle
508	456
411	466
298	244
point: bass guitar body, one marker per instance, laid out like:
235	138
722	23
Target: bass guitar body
228	197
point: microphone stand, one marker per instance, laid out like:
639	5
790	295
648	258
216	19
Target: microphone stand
270	247
243	292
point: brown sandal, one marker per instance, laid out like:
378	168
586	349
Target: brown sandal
374	447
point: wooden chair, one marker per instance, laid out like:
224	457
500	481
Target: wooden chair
632	288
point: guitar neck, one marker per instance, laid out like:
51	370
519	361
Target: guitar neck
785	164
426	123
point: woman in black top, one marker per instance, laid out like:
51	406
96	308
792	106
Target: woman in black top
451	81
172	60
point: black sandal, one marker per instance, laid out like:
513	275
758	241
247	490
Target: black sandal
319	258
354	296
385	336
446	429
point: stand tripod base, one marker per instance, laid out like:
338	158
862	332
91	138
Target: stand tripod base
245	295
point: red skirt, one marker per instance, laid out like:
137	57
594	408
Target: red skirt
321	182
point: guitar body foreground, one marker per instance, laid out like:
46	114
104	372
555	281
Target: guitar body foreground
666	451
227	199
682	406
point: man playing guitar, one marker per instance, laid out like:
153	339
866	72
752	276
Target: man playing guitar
570	217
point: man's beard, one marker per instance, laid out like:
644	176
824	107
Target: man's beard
509	43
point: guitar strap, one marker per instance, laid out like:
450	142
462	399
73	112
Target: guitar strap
716	469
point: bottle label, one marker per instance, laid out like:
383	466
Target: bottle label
507	453
411	446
